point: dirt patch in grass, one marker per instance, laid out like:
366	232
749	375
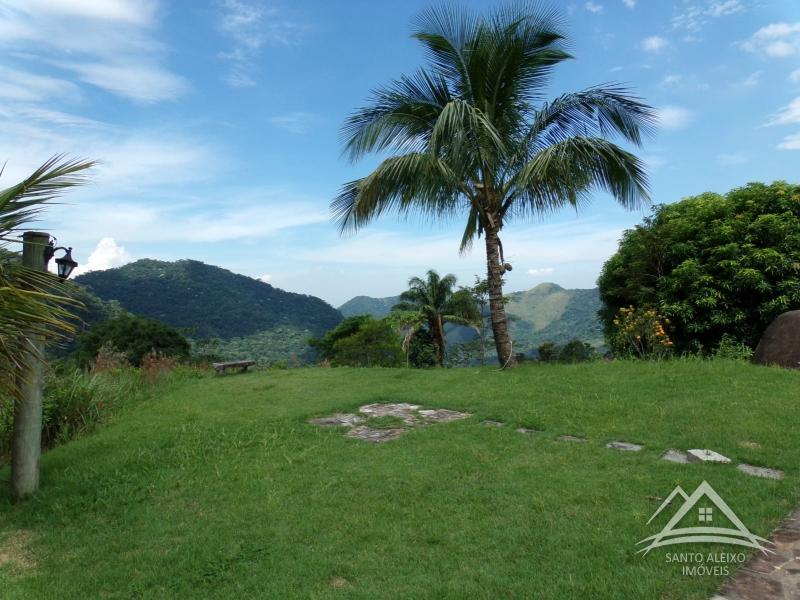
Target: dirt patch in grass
14	551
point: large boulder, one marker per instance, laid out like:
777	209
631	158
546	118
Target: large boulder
780	344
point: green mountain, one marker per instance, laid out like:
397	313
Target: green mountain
244	316
545	313
365	305
549	312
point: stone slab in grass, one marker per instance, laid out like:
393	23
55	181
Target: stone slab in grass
493	423
571	438
707	456
625	446
402	410
527	431
442	415
337	420
675	456
376	436
763	472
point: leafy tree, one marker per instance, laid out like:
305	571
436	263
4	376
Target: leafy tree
345	329
470	135
438	302
31	303
421	350
712	265
548	352
374	344
576	351
135	337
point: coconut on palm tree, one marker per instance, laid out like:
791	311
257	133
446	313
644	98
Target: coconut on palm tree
470	135
437	301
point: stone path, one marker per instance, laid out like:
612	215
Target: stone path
410	415
772	576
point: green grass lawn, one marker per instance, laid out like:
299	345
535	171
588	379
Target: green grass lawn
220	489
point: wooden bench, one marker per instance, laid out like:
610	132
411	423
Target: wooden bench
242	365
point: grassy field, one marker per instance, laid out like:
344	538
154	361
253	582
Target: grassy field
220	489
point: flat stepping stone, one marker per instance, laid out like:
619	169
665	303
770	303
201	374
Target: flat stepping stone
403	410
493	423
624	446
707	456
763	472
337	420
571	438
442	415
675	456
375	436
527	431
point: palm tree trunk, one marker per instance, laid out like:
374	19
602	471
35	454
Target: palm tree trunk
438	337
497	309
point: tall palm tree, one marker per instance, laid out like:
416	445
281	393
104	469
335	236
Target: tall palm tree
32	303
471	135
436	300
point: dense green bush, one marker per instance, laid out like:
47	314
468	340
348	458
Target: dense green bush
134	336
548	352
375	344
712	264
576	351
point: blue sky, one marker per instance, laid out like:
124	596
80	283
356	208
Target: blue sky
217	123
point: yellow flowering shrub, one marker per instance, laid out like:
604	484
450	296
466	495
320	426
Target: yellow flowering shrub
640	332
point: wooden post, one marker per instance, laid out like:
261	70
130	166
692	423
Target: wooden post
26	448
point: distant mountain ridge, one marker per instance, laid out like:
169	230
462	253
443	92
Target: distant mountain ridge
544	313
366	305
249	316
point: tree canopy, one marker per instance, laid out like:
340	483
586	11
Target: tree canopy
712	264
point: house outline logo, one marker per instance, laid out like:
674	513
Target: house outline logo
739	535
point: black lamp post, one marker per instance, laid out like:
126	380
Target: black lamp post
66	264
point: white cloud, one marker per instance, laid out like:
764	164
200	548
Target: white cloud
730	160
264	278
674	117
694	17
752	80
296	122
593	7
671	80
22	86
251	26
107	255
108	44
142	83
136	12
790	142
654	43
777	40
541	272
794	76
629	3
788	114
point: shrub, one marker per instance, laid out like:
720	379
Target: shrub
548	352
640	333
576	351
133	336
731	349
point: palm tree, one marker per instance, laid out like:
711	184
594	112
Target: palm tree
435	299
470	135
32	303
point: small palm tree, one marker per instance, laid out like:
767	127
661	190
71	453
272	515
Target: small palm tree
472	136
437	301
32	303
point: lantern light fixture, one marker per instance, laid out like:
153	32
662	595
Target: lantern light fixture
65	265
